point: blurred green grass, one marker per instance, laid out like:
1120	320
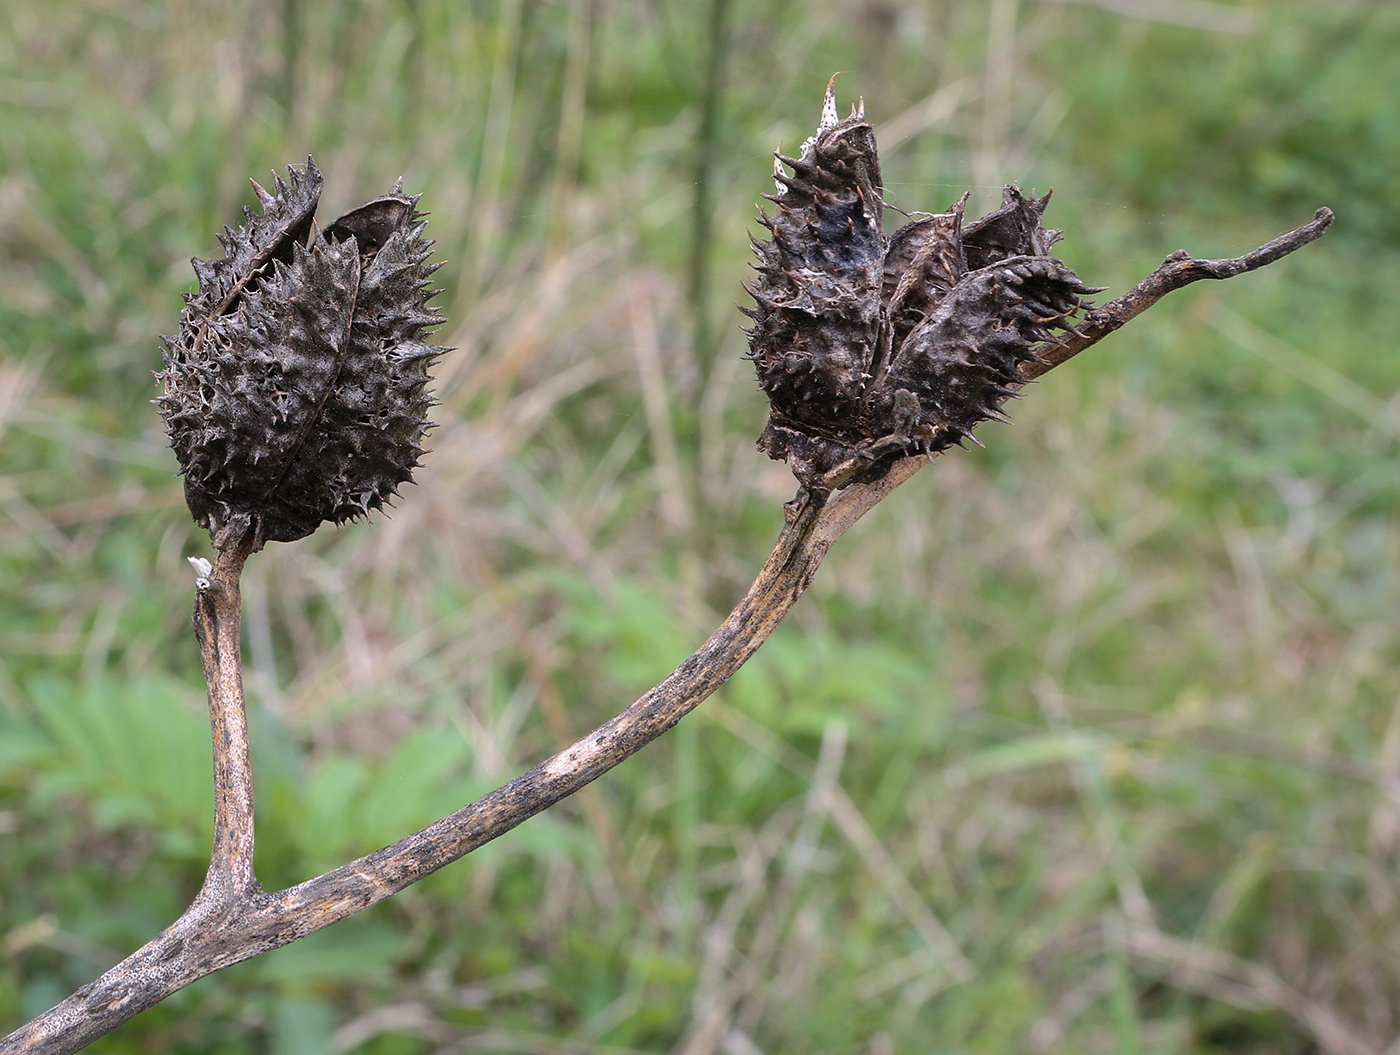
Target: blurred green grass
1084	742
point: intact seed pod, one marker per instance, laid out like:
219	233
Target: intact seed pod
295	389
871	348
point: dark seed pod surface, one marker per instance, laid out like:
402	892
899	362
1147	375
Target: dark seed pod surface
871	348
817	318
295	389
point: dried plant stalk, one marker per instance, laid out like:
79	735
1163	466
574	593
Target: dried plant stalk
875	330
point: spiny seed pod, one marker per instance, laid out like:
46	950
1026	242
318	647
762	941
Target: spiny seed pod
817	317
871	347
295	389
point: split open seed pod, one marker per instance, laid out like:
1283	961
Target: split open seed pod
295	391
873	347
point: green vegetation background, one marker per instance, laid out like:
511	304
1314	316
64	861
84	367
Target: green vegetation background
1085	742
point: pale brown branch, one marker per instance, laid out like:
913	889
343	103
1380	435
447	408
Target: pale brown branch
217	626
232	919
1179	269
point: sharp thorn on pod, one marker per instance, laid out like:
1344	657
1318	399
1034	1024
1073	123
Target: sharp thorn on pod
830	119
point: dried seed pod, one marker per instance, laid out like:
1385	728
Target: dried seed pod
295	389
871	348
817	318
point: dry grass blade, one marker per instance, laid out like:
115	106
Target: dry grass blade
1221	976
1195	14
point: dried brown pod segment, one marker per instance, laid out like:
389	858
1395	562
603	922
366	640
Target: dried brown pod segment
961	360
817	316
923	263
294	392
1012	230
286	219
871	348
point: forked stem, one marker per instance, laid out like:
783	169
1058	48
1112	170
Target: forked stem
232	919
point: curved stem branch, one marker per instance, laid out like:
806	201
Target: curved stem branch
1179	269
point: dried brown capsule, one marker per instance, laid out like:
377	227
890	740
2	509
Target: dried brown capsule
871	348
295	389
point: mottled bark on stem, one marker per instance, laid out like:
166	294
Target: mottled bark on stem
217	623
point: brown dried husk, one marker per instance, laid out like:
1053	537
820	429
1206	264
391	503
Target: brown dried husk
875	348
295	391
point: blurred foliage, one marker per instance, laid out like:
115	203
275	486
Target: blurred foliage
1084	742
